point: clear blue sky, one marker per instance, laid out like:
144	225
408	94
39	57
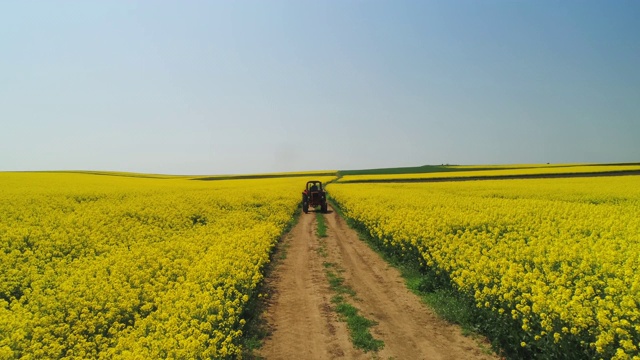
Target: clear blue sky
219	87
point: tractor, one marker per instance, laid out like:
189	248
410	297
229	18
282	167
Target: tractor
313	195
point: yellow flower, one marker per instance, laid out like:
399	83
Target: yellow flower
561	253
161	266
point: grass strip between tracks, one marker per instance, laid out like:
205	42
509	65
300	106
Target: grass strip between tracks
357	324
433	288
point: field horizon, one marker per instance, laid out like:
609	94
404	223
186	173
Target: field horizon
420	169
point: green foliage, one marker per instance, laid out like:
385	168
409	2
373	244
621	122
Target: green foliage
321	229
357	324
358	327
398	170
264	176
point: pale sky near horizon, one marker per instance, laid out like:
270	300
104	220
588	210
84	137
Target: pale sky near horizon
224	87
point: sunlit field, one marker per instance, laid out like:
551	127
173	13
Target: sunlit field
482	171
102	266
555	261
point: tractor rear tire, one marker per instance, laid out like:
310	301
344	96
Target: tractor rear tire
305	207
324	208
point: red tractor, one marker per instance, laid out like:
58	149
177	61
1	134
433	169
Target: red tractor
313	195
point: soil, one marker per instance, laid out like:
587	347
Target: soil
299	311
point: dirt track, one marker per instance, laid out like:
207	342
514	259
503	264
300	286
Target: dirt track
303	325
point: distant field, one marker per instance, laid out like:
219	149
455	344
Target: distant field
107	173
399	170
489	171
195	177
446	168
396	173
268	175
516	166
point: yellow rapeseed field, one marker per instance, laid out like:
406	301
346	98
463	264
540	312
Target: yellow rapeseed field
513	166
560	257
495	171
99	266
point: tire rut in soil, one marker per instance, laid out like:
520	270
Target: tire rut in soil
299	313
304	326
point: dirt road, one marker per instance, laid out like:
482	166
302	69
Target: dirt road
300	314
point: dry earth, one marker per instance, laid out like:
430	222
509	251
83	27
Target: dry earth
304	326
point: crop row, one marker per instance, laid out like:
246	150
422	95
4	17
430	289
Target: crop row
557	258
96	266
470	172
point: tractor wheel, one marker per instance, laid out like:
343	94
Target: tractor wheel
324	208
305	207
